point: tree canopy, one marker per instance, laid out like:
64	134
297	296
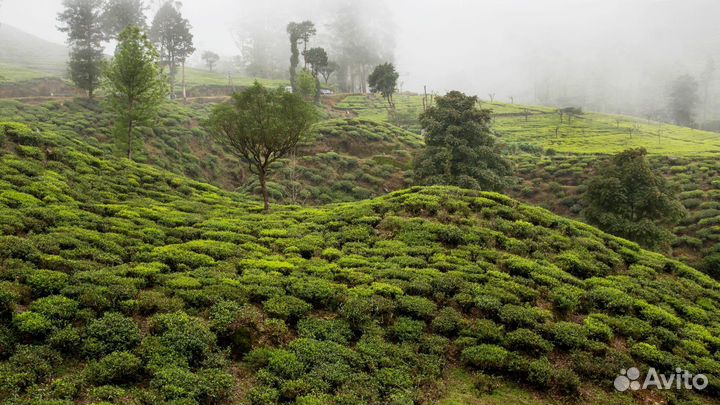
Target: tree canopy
683	100
210	58
301	31
260	126
460	147
134	84
383	80
120	14
171	32
627	199
80	19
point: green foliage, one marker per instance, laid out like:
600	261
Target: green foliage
116	367
462	151
134	85
109	333
80	19
383	80
382	296
171	33
286	307
261	126
306	86
627	199
485	357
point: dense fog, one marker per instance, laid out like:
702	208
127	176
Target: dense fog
602	55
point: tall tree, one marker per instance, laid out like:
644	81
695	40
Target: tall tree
363	37
627	199
80	19
707	77
260	126
135	84
297	32
119	14
171	32
317	59
460	147
383	80
683	100
210	58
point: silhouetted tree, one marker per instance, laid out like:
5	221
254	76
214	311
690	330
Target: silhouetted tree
210	58
683	100
135	85
298	31
459	145
80	19
119	14
627	199
260	126
171	32
327	70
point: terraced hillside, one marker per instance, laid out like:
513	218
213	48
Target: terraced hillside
343	160
124	283
553	160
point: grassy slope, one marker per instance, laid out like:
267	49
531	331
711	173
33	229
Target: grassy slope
347	159
553	172
29	53
200	77
144	242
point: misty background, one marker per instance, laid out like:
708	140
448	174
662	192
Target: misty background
601	55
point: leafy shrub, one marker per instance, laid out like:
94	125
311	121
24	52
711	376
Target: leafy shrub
485	357
46	282
568	335
448	322
286	307
521	316
184	335
110	333
116	367
32	323
407	329
419	307
527	341
56	307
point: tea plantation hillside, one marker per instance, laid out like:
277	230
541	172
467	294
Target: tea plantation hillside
554	156
343	160
124	283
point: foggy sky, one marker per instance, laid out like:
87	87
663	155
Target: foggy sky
508	47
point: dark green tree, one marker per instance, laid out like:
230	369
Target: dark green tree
135	84
80	19
171	33
383	80
260	126
119	14
625	198
460	146
683	100
297	32
317	59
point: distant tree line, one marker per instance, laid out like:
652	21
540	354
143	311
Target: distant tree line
355	37
89	24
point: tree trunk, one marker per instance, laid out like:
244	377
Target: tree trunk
129	139
317	89
263	187
183	83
